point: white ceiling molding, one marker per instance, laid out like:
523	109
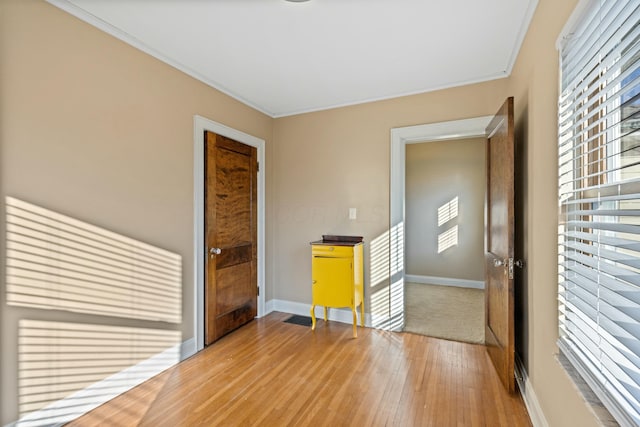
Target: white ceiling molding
284	58
95	21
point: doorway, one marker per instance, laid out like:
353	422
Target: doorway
444	244
201	125
400	138
499	223
231	172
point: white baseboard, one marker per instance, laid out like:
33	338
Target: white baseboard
529	396
343	315
269	306
188	349
444	281
89	398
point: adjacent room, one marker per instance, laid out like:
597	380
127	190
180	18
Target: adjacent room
444	248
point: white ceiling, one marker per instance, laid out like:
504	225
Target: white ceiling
286	58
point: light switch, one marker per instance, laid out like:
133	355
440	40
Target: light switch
352	213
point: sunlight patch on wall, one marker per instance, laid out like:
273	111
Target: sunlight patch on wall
386	255
448	211
379	306
448	239
396	318
387	274
67	369
57	262
379	259
396	250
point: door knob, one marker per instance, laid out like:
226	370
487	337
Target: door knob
215	251
498	262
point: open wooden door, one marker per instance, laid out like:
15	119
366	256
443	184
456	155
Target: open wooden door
231	287
499	262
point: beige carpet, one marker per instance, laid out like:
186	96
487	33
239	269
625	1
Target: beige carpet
445	312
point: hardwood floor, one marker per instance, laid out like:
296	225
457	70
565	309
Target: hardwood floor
271	373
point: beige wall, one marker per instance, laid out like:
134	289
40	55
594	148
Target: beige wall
436	173
328	161
95	129
534	84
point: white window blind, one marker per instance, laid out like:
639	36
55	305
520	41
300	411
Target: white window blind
599	193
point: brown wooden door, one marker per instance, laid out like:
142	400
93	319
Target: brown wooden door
231	235
499	329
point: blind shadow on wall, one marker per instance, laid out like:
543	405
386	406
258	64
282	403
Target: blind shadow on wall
58	263
386	279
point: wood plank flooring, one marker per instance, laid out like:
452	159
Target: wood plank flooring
271	373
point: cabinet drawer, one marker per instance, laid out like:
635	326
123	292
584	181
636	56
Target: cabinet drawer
332	251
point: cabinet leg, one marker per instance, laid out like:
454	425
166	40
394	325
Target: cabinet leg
355	322
325	313
313	317
362	314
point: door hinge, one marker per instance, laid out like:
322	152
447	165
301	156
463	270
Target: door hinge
258	290
257	166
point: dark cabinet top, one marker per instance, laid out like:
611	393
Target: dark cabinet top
339	240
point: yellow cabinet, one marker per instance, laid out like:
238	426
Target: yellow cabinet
337	276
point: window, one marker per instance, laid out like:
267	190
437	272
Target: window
599	200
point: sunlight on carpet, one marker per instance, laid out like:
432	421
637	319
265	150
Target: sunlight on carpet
445	312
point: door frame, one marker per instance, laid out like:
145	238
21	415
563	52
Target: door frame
400	138
200	125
